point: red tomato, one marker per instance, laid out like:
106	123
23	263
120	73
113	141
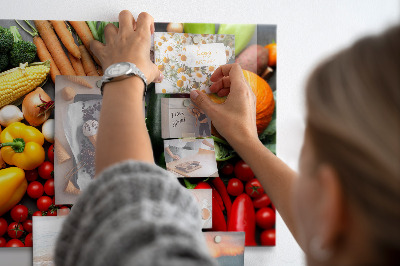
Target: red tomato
227	169
50	153
19	213
15	230
268	237
3	226
254	188
46	170
243	171
31	175
49	187
35	190
27	226
265	218
203	185
28	240
37	213
3	242
15	243
43	203
235	187
262	201
51	212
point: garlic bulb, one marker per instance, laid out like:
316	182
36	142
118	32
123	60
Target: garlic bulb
10	114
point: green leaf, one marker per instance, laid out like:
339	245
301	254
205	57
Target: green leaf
271	147
223	152
188	184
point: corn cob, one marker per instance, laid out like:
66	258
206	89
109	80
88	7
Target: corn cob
19	81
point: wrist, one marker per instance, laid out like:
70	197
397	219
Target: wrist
133	85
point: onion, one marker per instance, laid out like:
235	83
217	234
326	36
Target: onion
10	114
37	107
48	130
175	27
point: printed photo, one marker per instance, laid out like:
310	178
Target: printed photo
46	231
204	199
191	157
188	60
180	118
226	247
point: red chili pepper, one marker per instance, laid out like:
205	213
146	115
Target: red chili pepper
243	218
220	187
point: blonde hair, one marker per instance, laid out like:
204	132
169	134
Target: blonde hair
353	120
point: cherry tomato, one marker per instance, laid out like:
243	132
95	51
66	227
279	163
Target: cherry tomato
235	187
28	240
254	188
262	201
35	190
46	170
15	243
3	242
243	171
27	226
227	169
203	185
265	218
51	212
19	213
37	213
31	175
43	203
3	226
15	230
268	237
49	187
50	153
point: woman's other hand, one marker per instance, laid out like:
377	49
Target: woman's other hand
235	119
128	43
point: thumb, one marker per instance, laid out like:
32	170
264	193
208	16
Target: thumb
201	100
157	75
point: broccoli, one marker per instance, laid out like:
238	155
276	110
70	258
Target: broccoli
3	61
22	51
6	40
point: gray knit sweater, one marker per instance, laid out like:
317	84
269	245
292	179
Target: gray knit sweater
134	213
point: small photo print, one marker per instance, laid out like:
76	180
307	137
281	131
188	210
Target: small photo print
46	231
188	60
204	199
191	157
226	247
180	118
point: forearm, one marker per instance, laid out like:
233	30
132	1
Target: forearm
122	131
274	175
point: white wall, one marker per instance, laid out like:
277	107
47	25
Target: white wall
307	32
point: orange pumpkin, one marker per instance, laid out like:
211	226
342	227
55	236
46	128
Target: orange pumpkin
265	100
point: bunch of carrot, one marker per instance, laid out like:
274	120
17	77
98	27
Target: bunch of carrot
77	61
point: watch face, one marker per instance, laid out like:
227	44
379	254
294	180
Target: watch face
117	70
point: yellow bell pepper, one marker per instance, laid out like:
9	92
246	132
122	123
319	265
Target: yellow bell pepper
21	145
12	188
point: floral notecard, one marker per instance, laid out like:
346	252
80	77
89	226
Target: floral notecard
188	60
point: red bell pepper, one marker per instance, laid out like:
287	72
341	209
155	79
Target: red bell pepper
220	187
243	218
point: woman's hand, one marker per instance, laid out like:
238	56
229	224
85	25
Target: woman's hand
235	119
128	43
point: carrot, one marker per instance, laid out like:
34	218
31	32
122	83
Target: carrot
79	80
77	64
87	62
52	43
66	37
83	31
44	55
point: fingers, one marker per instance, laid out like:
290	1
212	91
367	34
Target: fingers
145	24
202	101
157	75
127	23
224	82
110	31
97	48
224	71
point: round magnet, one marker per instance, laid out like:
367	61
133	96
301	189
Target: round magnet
217	239
186	102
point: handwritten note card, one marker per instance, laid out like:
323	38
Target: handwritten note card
205	55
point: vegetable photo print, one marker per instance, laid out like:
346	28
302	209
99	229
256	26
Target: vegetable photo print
33	53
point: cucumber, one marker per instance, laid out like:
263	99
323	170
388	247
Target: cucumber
153	121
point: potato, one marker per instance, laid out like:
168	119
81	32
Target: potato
254	58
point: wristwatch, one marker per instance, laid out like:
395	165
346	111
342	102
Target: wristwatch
120	71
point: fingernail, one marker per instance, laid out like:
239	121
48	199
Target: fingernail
194	94
160	78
